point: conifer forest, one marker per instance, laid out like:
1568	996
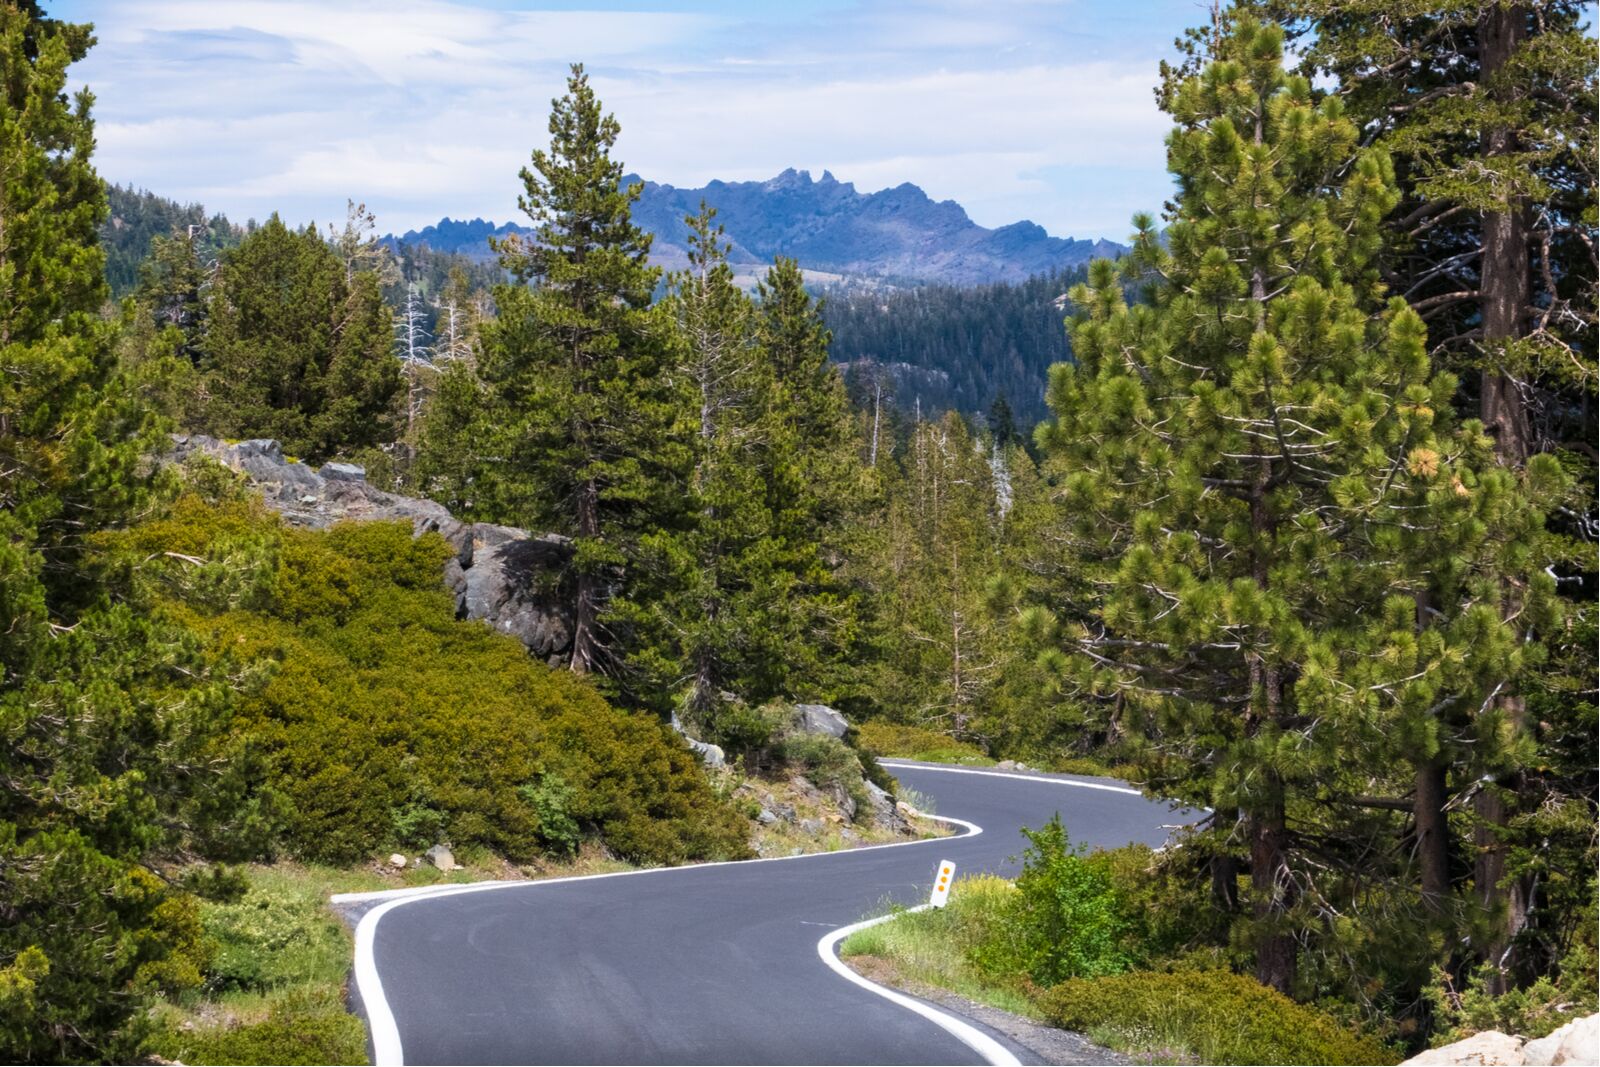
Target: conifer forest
1285	512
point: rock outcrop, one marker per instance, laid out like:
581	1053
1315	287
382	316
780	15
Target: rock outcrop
819	719
1578	1042
514	580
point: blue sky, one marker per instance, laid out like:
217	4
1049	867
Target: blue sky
1037	109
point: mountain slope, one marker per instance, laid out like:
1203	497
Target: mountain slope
896	235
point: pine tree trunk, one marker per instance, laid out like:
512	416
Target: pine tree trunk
1506	284
1504	278
1433	834
1225	867
585	630
1269	882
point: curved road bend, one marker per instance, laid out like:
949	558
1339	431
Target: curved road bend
706	964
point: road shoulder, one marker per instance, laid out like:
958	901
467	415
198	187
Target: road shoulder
1033	1042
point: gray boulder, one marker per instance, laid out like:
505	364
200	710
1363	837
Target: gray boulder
882	806
1576	1042
845	802
820	719
711	755
343	472
513	580
441	857
1488	1049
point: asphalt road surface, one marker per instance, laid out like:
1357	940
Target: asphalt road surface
709	964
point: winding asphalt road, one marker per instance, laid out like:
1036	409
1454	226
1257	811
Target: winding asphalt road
712	964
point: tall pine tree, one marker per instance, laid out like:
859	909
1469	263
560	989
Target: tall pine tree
104	715
590	436
1260	457
1489	111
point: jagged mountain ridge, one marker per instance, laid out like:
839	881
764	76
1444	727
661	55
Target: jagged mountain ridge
895	236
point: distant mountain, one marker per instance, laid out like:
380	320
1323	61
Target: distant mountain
895	236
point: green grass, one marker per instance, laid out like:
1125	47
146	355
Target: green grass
932	947
274	985
900	741
278	959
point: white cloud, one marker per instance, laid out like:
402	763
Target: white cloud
429	107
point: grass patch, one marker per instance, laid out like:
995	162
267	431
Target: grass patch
273	985
936	947
274	962
1094	768
900	741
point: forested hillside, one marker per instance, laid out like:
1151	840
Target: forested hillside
940	346
945	347
1304	537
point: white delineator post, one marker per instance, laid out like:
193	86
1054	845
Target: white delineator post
941	884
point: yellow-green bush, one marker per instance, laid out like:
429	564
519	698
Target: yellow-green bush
891	739
382	721
305	1028
1205	1017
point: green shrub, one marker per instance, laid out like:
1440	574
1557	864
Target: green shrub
1533	1011
826	762
304	1028
1205	1017
188	951
381	721
1066	915
741	730
553	800
877	737
1165	901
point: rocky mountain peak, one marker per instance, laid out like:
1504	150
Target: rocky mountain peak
897	235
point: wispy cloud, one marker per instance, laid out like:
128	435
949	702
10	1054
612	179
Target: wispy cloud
1015	108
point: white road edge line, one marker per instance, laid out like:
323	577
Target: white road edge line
981	1043
1007	774
386	1047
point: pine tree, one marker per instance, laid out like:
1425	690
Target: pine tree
812	467
1489	112
105	716
1264	463
450	467
591	443
700	604
936	642
299	347
170	289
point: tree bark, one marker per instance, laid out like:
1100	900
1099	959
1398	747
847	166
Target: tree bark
1506	280
1433	834
585	631
1506	284
1276	950
1225	865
